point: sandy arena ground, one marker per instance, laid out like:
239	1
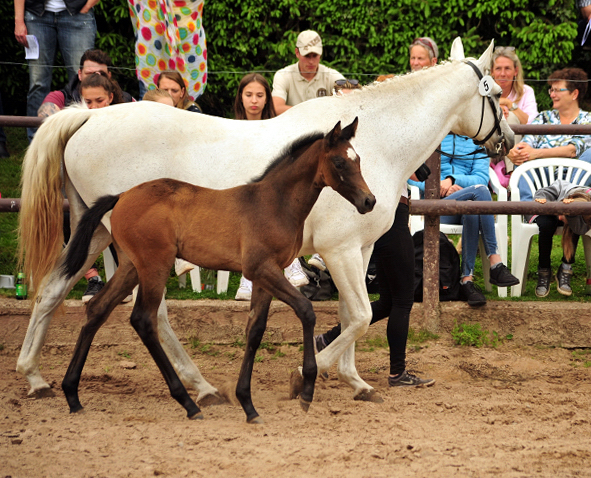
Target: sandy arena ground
511	411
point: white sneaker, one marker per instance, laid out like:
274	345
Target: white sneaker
244	292
295	275
181	266
317	262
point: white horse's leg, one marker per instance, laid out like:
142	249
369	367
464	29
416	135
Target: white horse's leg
53	294
186	369
347	270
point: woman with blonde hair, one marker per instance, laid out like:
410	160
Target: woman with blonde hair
173	82
517	97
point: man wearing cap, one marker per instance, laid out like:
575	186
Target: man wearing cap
305	79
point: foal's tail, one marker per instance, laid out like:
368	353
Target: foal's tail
80	243
41	214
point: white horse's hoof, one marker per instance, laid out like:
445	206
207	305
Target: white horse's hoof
197	416
369	396
41	393
304	404
211	400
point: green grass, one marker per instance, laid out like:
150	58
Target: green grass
10	171
472	335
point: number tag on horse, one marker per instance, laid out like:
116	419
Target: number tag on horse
486	85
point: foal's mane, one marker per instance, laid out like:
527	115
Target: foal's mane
290	153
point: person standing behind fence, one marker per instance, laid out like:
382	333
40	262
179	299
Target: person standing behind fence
70	24
567	88
253	102
169	35
306	79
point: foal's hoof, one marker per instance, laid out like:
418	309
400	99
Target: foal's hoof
305	404
256	421
369	396
211	400
197	416
296	384
42	393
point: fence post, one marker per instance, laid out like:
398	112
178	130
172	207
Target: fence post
431	249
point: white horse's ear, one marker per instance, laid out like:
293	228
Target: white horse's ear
485	61
457	50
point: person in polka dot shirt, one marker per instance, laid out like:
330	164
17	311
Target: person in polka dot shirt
169	36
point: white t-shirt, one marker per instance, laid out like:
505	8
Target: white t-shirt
289	84
55	6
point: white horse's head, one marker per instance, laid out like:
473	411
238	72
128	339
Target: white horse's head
493	131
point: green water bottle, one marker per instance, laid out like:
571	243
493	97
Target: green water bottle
21	286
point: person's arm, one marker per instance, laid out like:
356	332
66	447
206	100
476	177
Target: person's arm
524	152
280	105
477	174
528	103
89	4
20	29
53	102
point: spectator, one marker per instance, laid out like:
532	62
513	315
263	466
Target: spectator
574	226
567	88
169	35
253	102
423	53
305	79
174	84
98	91
464	177
394	257
518	100
67	23
92	61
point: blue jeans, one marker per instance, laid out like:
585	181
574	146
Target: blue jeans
73	33
472	226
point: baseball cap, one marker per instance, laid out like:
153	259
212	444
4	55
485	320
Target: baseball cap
309	42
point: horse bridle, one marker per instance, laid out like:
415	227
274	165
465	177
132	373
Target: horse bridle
497	126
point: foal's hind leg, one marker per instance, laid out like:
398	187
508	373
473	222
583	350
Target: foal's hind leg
99	309
144	321
54	292
257	323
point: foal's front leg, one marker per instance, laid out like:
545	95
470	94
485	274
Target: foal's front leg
257	323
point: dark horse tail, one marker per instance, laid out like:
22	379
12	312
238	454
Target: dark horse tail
80	243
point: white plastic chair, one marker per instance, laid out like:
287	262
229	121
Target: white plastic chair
223	277
546	171
417	223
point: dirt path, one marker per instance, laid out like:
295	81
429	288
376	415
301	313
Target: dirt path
513	411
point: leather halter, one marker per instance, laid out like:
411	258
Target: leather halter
497	126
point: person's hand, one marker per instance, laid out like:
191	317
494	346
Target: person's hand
89	4
505	104
453	189
444	187
20	33
540	200
521	153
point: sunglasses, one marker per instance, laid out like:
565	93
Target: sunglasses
347	83
426	43
556	90
501	49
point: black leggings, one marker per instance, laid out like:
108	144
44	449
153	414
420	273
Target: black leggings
548	226
394	257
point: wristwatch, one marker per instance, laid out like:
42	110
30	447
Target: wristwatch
513	107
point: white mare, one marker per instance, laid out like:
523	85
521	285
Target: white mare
107	151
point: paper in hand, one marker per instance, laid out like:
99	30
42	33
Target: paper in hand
32	51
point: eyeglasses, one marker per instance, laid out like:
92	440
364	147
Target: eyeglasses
556	90
351	83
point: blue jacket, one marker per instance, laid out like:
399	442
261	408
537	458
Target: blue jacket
464	166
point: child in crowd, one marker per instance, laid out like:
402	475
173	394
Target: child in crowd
574	226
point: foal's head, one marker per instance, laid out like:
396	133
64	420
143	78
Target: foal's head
340	168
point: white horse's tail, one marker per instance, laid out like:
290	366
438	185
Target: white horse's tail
41	215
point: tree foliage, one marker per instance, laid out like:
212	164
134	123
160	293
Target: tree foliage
361	39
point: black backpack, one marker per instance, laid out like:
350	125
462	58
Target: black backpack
449	268
321	286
